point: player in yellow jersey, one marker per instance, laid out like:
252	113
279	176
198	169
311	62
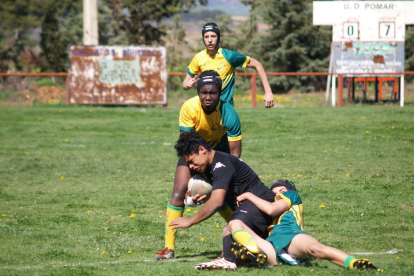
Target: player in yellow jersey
225	63
287	242
217	122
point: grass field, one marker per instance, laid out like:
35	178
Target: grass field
83	190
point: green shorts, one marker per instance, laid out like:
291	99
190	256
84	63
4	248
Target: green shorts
281	237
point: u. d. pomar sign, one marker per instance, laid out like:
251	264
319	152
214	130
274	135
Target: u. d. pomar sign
118	75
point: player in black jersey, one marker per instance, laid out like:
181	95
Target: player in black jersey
230	178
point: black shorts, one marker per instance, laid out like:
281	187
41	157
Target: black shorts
253	217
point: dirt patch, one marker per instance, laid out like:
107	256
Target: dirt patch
43	94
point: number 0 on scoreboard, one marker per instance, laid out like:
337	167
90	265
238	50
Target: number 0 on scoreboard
351	30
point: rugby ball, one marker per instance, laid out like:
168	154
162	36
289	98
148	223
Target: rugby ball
198	184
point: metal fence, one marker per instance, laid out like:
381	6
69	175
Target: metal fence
335	91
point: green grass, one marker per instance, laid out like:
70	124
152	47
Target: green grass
83	189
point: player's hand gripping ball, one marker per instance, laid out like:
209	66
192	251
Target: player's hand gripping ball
198	184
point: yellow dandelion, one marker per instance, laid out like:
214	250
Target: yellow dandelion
195	211
66	140
367	131
4	215
398	258
202	239
62	177
188	210
60	111
91	219
322	206
347	175
103	252
217	226
89	212
160	212
129	251
349	165
132	215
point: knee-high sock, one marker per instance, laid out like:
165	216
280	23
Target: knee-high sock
226	212
170	235
227	254
244	237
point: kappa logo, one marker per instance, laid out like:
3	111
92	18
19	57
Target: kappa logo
218	165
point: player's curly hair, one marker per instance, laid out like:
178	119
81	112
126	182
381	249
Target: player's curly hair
188	143
283	182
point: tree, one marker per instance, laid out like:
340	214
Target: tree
137	18
409	51
291	44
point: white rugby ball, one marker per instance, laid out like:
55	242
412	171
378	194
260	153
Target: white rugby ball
198	184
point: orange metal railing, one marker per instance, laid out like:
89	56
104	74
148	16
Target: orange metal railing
253	78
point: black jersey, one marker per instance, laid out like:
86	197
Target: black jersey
234	175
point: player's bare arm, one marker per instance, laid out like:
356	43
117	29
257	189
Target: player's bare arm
189	82
268	98
270	208
215	202
235	148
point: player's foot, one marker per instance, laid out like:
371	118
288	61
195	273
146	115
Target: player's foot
363	264
165	254
219	263
248	257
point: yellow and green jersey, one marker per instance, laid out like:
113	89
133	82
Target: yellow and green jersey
225	63
288	224
219	127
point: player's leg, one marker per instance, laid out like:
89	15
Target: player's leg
245	236
257	221
304	246
175	208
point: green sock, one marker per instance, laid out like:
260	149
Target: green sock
348	261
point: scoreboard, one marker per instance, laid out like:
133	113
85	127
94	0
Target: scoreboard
367	36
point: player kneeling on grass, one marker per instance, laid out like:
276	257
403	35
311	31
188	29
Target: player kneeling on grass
230	177
287	243
218	123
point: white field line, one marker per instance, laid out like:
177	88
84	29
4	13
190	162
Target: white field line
93	264
392	251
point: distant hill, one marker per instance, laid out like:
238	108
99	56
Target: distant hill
233	7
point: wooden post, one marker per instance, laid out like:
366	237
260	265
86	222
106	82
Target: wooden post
253	85
340	90
67	90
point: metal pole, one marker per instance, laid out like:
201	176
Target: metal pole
402	91
333	90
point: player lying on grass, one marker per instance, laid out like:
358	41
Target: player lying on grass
225	62
230	177
287	243
219	124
